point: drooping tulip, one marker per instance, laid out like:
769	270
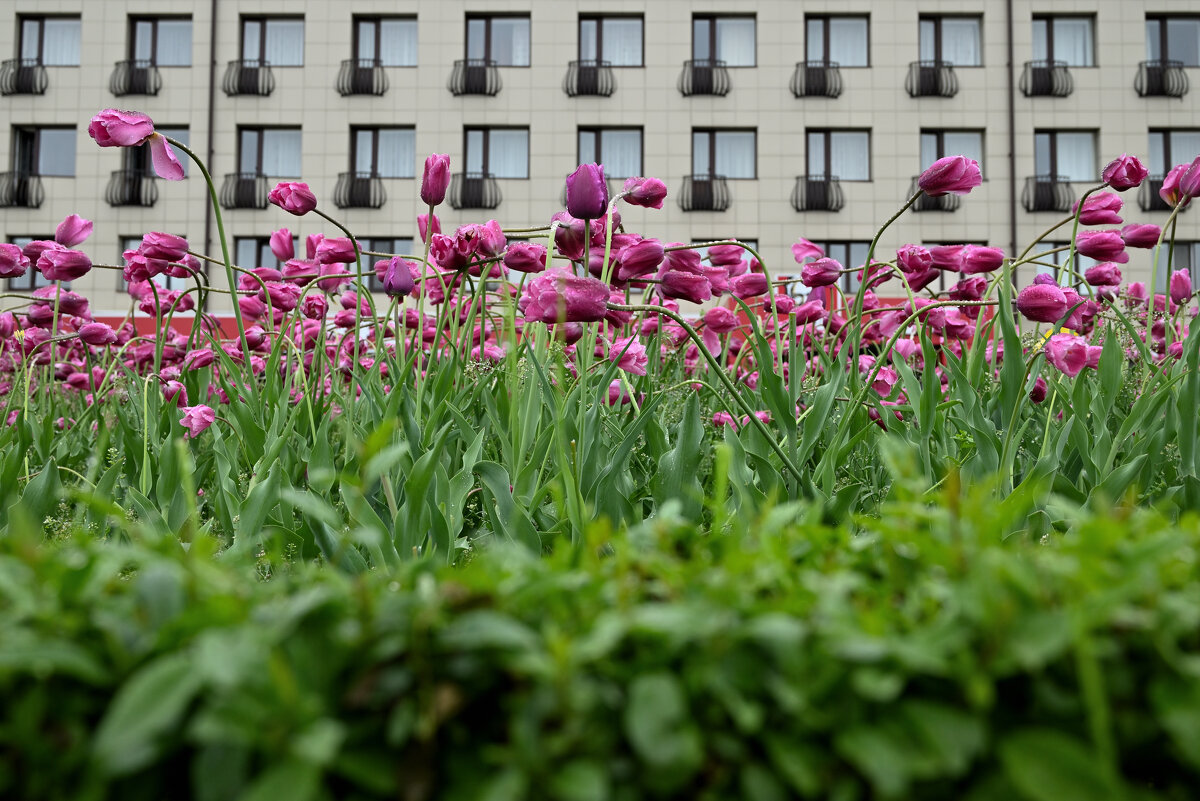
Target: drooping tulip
953	174
1124	172
72	231
646	192
196	419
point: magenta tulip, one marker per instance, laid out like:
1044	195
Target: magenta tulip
978	259
97	334
396	276
293	197
913	258
1124	172
1140	235
587	192
822	272
1181	286
953	174
1105	274
948	257
720	320
557	296
163	158
1042	303
726	255
803	249
639	259
63	265
1169	191
196	419
168	247
1102	246
630	355
1189	181
1067	352
282	245
1100	208
13	263
525	257
436	179
72	231
685	285
645	192
335	249
113	128
749	285
423	228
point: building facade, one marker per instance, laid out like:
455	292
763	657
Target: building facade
767	119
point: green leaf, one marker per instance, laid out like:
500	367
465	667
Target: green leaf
660	729
1047	765
292	779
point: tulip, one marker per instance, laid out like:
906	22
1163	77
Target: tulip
557	296
969	288
332	250
720	320
282	245
923	278
645	192
953	174
750	285
639	259
13	263
1140	236
97	334
1099	209
587	192
803	249
948	257
1106	274
168	247
1124	172
293	197
63	265
1102	246
727	255
525	257
489	239
1181	286
333	277
1067	352
310	245
569	235
978	259
196	419
689	286
1169	191
822	272
166	165
718	277
913	259
314	307
1189	181
1042	303
683	258
396	276
423	227
175	392
630	355
810	312
72	231
113	128
1038	393
436	179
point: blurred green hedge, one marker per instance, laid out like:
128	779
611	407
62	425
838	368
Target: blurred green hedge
923	656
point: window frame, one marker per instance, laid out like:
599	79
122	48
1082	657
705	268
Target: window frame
599	20
1050	19
487	19
938	48
40	19
376	20
375	130
713	19
828	134
712	151
1053	134
598	131
1163	21
1165	133
264	20
486	130
824	19
261	130
262	244
135	19
36	151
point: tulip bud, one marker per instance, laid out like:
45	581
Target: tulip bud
587	192
293	197
436	179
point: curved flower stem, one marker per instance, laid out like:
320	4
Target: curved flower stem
1075	231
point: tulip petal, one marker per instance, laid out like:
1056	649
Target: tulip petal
165	163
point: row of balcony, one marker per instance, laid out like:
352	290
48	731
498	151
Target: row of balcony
482	191
595	78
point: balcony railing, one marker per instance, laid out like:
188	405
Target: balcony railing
135	77
931	79
22	76
21	190
817	79
474	190
244	190
704	193
1148	197
1047	193
474	76
248	77
589	78
948	202
817	193
1046	79
362	76
131	188
704	76
1161	79
358	190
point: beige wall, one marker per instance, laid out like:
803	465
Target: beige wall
874	98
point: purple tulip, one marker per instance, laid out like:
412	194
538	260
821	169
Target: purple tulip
639	259
1124	172
1140	236
293	197
557	296
1102	246
587	192
1100	208
822	272
1181	286
1105	274
63	265
645	192
978	259
167	247
436	179
953	174
113	128
97	334
13	263
396	276
1042	303
72	231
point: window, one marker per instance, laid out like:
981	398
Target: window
274	152
1051	261
51	41
1065	155
940	144
498	152
391	40
277	41
727	154
1185	257
398	246
951	40
840	155
618	149
728	39
837	40
32	279
162	42
137	159
255	251
384	152
617	40
503	40
1168	148
44	151
1067	39
1173	39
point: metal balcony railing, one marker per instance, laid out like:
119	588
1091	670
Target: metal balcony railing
1047	193
589	78
362	76
817	193
704	76
948	202
704	193
1148	197
931	79
248	77
474	76
244	190
131	188
1161	78
23	76
358	190
135	77
473	190
816	79
21	190
1046	79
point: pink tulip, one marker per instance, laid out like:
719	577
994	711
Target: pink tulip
953	174
557	296
436	179
1105	274
821	272
803	249
282	246
1170	191
175	392
167	247
639	259
525	257
969	288
1100	208
113	128
1189	181
913	259
1124	172
1102	246
293	197
196	419
423	225
978	259
63	265
726	255
310	245
1067	352
630	355
645	192
97	334
72	231
315	307
1042	303
1181	286
332	250
750	285
163	158
919	280
948	257
13	263
693	287
1140	236
570	235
